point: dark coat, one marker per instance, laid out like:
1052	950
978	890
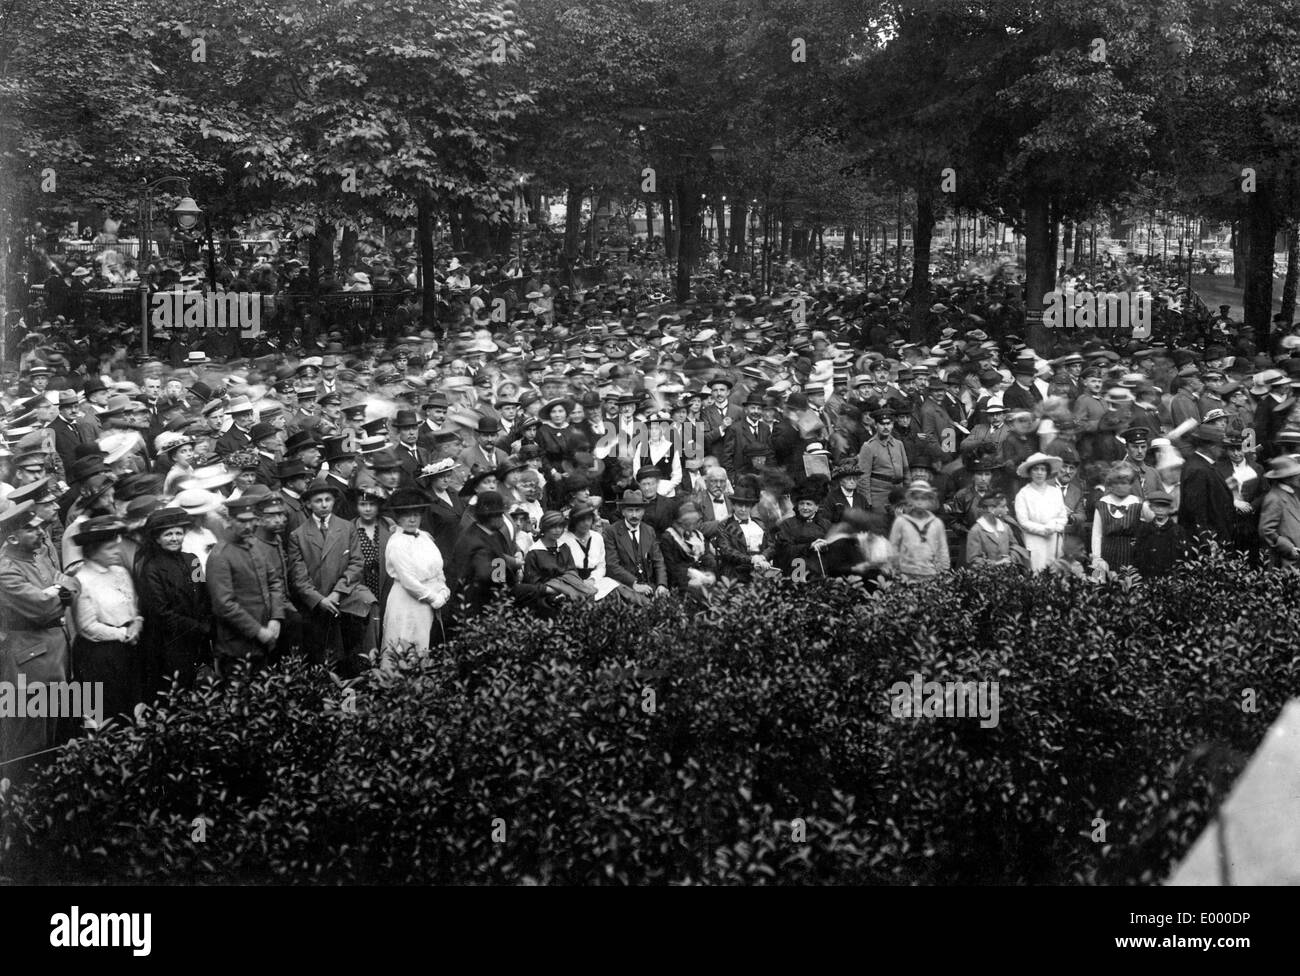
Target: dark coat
794	539
410	460
734	556
443	522
177	616
678	560
232	441
246	595
632	561
482	567
1157	550
1205	506
834	505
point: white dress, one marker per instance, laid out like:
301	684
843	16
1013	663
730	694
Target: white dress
593	559
415	566
1038	510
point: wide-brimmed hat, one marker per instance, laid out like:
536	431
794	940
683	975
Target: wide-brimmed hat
1052	462
1283	466
170	517
440	467
920	487
197	501
101	528
579	512
845	469
408	500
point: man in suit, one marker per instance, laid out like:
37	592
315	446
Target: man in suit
660	510
435	415
293	478
66	434
96	394
1205	508
1023	393
743	544
325	565
248	599
1271	411
484	455
343	464
236	438
1185	404
719	415
266	443
713	502
632	555
273	533
411	458
751	431
937	433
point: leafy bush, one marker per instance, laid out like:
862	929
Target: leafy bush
754	744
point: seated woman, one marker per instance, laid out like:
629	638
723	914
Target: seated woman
688	557
550	564
587	548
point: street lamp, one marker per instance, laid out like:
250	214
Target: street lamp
187	214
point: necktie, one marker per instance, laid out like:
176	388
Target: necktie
324	527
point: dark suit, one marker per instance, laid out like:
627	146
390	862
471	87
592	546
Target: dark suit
660	513
232	441
1205	506
740	437
320	567
631	561
482	566
295	511
473	457
246	595
66	439
343	505
410	460
1018	398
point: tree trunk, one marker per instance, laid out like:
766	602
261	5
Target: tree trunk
649	219
787	234
1238	254
1040	275
457	229
848	244
736	249
321	263
1258	295
572	222
922	236
690	218
1067	242
348	248
478	238
1292	268
671	231
720	225
424	241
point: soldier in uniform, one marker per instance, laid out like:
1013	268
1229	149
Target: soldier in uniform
34	596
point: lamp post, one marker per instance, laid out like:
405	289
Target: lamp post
187	214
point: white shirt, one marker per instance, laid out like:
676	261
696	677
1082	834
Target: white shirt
719	509
106	603
753	535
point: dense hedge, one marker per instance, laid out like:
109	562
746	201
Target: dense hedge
1120	702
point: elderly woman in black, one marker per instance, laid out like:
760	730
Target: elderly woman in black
174	603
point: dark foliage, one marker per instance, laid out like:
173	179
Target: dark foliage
629	745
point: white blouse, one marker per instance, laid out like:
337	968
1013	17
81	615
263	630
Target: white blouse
106	603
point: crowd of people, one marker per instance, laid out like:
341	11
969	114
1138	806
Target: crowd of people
168	517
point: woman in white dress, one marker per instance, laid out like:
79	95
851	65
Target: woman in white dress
1040	510
415	566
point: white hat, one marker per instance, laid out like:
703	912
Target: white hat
196	501
207	478
119	444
